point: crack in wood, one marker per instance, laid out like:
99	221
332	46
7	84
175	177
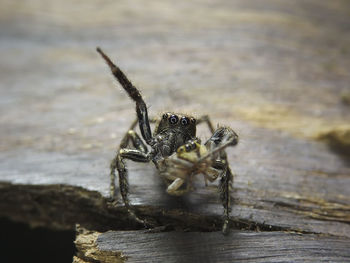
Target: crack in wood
63	206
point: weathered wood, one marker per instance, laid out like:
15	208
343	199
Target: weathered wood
138	246
276	72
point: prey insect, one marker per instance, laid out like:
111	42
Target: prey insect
174	149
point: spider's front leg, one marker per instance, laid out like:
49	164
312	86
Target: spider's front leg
223	137
135	95
139	154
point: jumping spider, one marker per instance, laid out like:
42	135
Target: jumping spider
175	150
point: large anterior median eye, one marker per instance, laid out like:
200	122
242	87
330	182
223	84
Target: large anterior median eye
185	121
173	119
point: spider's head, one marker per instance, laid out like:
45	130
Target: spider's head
179	123
190	146
192	151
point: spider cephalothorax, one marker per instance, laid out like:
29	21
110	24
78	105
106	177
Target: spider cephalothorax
172	131
175	150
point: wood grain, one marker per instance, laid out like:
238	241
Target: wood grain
138	246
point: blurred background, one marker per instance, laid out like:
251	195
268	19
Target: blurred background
266	68
276	64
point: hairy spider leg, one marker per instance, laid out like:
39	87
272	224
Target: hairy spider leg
219	136
139	154
223	136
137	143
135	95
151	120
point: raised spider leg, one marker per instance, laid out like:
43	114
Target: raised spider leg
137	155
151	120
223	137
134	94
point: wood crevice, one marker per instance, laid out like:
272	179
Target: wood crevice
61	207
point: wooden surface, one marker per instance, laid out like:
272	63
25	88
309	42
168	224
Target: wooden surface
138	246
276	72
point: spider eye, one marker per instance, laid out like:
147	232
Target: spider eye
184	121
193	145
173	119
193	120
165	116
188	147
180	149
